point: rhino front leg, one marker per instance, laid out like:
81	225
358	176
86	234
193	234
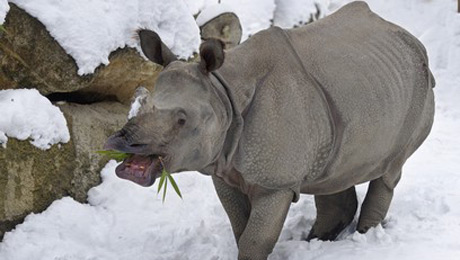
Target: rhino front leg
333	213
375	205
268	212
235	203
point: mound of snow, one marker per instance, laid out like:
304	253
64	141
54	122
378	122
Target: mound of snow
90	30
27	114
126	221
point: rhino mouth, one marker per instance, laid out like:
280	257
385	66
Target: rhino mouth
140	169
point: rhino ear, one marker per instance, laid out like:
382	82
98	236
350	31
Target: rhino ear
212	55
154	48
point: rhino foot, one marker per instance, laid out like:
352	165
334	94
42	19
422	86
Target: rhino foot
334	213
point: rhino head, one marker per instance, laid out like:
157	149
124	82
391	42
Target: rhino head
183	121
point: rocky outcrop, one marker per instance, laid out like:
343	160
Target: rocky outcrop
30	57
31	179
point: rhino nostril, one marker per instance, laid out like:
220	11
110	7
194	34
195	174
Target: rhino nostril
137	145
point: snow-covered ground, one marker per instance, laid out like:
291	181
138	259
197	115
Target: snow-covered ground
25	114
126	221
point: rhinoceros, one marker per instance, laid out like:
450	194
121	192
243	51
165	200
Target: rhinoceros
315	110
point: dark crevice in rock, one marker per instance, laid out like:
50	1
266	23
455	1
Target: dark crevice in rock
8	225
81	97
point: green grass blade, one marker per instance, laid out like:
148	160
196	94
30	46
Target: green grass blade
162	179
116	155
164	190
174	184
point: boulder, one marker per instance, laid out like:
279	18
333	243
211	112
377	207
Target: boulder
31	58
31	179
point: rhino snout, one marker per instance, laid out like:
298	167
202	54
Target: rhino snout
119	142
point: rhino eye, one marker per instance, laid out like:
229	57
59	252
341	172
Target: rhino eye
181	121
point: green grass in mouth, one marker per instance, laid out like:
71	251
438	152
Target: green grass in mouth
165	175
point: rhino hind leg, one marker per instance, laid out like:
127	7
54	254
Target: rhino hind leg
375	205
333	213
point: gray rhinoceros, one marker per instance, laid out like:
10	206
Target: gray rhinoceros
314	110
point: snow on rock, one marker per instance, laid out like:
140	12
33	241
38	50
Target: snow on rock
90	30
4	8
289	13
27	114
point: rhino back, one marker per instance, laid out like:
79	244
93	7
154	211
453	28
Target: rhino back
377	78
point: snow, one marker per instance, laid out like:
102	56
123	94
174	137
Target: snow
25	114
90	30
294	12
135	106
126	221
196	6
4	7
254	15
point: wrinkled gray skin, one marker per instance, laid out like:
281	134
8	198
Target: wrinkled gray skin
315	110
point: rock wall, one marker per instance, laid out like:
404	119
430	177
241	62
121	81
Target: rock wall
31	179
96	106
31	58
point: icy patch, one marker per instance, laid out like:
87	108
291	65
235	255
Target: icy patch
90	30
27	114
4	8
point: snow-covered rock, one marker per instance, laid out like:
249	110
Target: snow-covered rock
25	114
30	178
90	30
46	66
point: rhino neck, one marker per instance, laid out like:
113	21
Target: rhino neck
234	86
232	125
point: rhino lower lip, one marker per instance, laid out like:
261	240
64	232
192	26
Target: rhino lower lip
140	169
